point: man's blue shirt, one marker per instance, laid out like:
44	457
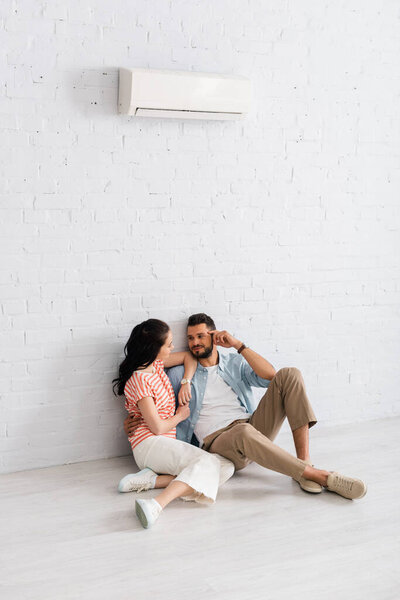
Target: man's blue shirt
234	370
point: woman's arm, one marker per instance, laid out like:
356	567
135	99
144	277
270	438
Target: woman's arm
174	359
155	423
185	392
131	422
190	364
181	358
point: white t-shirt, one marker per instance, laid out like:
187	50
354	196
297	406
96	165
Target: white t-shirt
220	406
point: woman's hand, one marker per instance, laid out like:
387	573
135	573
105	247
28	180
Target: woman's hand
130	424
184	395
183	412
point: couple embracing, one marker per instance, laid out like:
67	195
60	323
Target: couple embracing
191	450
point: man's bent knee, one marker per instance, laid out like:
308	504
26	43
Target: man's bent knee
233	449
292	372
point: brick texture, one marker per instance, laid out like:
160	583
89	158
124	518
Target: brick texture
284	226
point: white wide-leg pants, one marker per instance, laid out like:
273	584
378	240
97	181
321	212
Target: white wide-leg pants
204	472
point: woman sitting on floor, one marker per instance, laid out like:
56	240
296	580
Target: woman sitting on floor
187	471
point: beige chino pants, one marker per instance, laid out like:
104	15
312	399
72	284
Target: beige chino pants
248	440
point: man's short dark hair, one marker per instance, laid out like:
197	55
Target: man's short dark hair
200	318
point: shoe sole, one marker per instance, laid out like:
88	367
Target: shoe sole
141	515
311	491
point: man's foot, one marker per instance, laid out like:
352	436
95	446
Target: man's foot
307	485
348	487
138	482
147	511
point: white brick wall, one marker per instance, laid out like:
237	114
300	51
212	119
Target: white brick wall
285	226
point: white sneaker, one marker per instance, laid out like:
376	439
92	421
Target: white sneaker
147	511
138	482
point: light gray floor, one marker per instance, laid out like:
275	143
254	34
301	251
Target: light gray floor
66	533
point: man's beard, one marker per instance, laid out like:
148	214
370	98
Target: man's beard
204	354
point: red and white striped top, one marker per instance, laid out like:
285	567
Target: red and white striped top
156	385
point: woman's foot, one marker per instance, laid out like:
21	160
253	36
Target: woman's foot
138	482
147	511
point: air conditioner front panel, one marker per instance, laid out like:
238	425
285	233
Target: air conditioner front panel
206	93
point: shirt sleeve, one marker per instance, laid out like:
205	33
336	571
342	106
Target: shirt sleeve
138	388
251	377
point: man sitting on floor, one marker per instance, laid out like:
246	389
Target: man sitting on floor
224	419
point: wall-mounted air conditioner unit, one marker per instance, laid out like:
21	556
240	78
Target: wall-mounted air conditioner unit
183	95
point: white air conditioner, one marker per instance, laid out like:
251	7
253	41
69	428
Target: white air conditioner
183	95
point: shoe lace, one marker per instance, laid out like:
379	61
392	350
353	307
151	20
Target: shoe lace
140	487
343	483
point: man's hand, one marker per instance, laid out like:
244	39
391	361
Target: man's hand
260	365
184	395
225	339
130	424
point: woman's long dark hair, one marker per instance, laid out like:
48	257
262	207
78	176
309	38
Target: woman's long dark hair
141	350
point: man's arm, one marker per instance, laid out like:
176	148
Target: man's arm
260	365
